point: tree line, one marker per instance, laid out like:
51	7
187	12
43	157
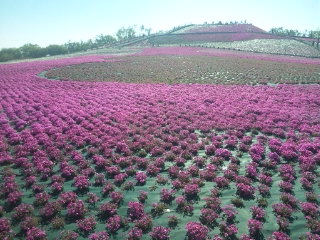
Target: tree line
294	33
35	51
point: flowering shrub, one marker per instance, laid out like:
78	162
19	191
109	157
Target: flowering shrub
279	236
114	223
141	178
68	235
310	209
144	223
208	217
287	172
41	198
283	223
229	213
289	199
251	170
313	224
181	202
99	236
191	190
213	203
21	211
68	197
92	199
135	234
14	198
286	186
264	190
222	182
81	183
120	178
254	226
257	213
196	231
143	196
50	210
257	152
160	233
167	195
194	171
135	210
57	223
116	197
311	197
158	208
36	234
87	224
228	230
282	210
172	221
76	209
224	153
162	180
153	170
56	187
245	191
127	186
107	210
108	187
99	179
68	172
4	226
28	223
210	150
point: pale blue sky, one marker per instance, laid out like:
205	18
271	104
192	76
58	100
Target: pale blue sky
47	22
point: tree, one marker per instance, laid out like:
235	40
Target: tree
102	40
32	51
314	34
7	54
148	31
77	46
126	33
56	50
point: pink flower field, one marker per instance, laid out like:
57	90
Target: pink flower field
126	160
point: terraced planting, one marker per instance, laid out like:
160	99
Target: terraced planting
172	69
198	38
221	28
273	46
89	159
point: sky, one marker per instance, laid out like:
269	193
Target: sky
46	22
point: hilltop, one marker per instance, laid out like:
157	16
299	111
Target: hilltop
242	37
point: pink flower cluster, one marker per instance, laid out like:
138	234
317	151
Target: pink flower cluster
196	231
36	234
135	210
245	190
87	224
160	233
191	190
81	183
114	223
76	209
